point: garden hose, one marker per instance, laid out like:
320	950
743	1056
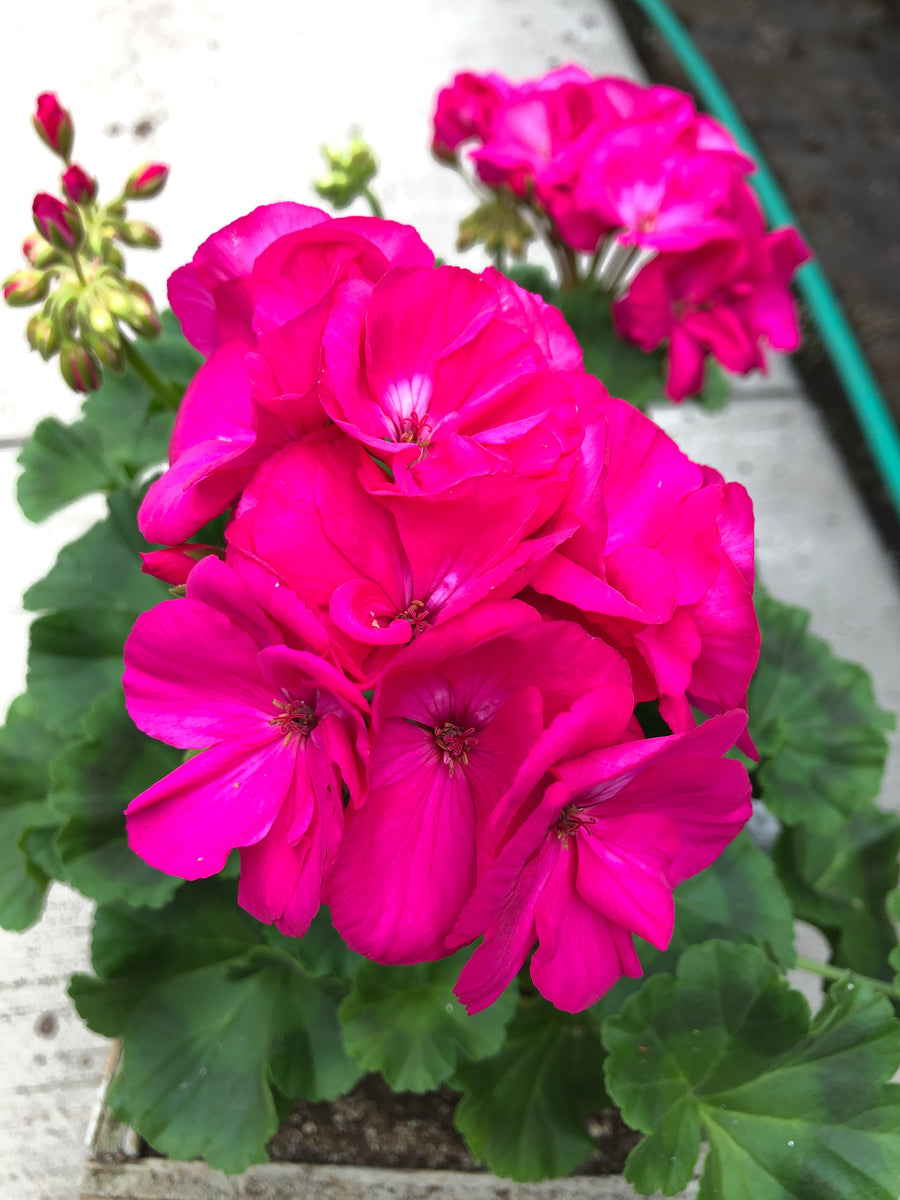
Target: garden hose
840	342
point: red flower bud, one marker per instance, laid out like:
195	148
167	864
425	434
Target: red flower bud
78	186
146	181
78	368
55	221
53	125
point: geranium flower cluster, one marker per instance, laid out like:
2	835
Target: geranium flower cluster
606	160
454	567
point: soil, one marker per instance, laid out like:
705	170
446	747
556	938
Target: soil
375	1127
818	83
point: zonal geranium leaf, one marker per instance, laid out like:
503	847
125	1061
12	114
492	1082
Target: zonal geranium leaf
194	1078
792	1110
123	431
93	781
216	1024
625	370
26	748
75	657
840	884
893	911
816	724
406	1023
523	1110
738	898
101	569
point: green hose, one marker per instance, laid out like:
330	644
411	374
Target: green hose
843	348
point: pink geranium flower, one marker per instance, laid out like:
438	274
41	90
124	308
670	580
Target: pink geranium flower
454	717
727	298
281	733
446	375
608	836
381	569
256	298
663	569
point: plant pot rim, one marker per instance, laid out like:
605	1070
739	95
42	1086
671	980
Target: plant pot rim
115	1170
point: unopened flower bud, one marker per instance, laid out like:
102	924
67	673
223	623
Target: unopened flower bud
108	349
92	313
352	169
39	252
146	181
60	225
43	335
79	187
53	125
138	233
134	306
25	287
111	255
78	367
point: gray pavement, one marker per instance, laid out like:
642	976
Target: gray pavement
238	98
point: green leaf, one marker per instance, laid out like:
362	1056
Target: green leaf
533	279
194	1076
893	912
216	1023
322	952
791	1110
121	433
75	657
406	1023
25	751
523	1110
816	724
625	371
93	781
841	884
739	898
101	569
716	390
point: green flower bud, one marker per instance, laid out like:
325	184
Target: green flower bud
43	335
352	169
78	367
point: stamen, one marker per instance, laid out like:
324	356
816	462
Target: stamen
454	742
418	616
415	429
298	719
570	820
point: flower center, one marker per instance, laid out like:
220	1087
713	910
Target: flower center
570	820
415	429
297	718
454	742
418	616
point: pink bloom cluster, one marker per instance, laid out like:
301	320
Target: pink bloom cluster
454	566
606	158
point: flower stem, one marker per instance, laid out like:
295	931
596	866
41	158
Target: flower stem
838	973
164	391
373	202
76	263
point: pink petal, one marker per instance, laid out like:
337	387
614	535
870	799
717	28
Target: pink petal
227	796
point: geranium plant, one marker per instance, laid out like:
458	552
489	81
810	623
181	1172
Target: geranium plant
447	695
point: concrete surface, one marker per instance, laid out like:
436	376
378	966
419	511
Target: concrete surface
238	98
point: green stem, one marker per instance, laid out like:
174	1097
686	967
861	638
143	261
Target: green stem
76	263
838	973
373	202
155	381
